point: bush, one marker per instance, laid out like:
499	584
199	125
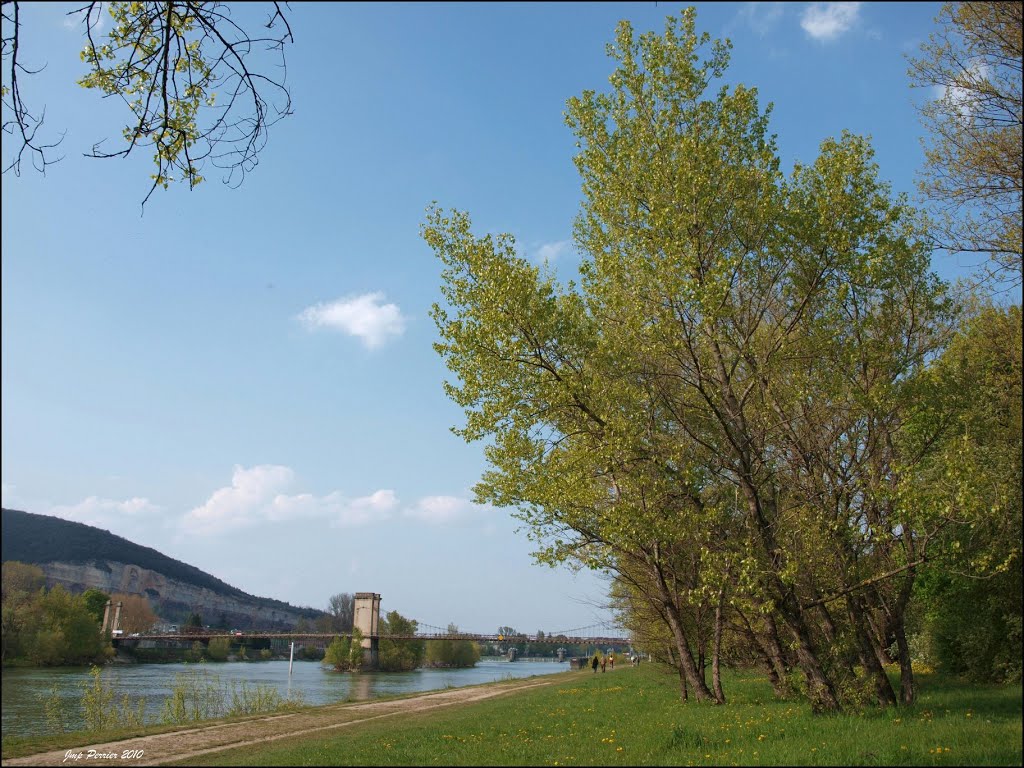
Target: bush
219	648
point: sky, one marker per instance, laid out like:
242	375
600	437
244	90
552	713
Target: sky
244	379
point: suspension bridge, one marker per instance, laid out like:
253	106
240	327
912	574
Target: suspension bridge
367	621
595	634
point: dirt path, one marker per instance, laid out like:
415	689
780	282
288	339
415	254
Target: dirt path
193	742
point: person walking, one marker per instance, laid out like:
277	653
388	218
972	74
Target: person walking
594	663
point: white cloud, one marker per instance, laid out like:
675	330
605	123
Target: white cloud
761	17
365	509
249	499
965	98
103	513
438	510
365	316
551	251
257	495
826	21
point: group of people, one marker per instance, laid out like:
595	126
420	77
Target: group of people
609	661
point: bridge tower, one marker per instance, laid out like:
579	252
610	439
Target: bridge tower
366	619
111	624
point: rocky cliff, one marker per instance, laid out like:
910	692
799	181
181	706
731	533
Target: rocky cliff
81	556
173	600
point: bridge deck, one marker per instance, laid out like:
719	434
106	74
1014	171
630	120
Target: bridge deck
330	635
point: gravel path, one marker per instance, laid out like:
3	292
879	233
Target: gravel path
201	740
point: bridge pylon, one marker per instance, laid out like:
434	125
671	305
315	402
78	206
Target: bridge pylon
366	618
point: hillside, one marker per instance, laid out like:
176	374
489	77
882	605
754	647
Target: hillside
80	556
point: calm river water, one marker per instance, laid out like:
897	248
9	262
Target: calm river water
25	690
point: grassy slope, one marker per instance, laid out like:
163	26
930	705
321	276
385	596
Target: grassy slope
633	717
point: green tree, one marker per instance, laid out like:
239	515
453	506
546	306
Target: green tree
67	633
973	171
219	648
451	652
677	418
22	584
196	84
339	653
96	603
971	592
21	579
399	655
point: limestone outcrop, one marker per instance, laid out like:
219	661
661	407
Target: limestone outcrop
174	600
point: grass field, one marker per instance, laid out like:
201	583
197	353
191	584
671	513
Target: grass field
633	717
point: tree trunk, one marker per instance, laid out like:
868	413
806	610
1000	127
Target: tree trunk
683	694
878	633
686	663
775	655
906	670
716	650
866	650
828	626
774	671
820	689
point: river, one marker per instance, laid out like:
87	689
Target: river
24	691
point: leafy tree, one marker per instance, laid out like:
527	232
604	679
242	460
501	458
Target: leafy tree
66	632
679	418
971	592
219	648
338	653
973	172
399	655
22	584
189	73
452	652
194	620
21	579
96	603
345	653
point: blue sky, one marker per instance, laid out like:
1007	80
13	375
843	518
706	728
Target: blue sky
244	379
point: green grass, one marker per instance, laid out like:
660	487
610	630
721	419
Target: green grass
634	717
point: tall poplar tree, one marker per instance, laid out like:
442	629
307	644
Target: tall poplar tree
714	411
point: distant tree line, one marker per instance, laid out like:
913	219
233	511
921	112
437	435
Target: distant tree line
48	627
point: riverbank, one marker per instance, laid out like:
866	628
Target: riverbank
627	717
38	702
164	746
